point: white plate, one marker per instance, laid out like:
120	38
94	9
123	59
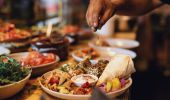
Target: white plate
113	51
106	53
79	59
82	97
103	54
36	70
4	50
123	43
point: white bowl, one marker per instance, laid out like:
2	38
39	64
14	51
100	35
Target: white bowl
9	90
80	83
82	97
36	70
122	43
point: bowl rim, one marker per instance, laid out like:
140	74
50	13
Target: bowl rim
135	42
57	59
73	95
25	78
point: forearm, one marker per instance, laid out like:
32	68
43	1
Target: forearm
138	7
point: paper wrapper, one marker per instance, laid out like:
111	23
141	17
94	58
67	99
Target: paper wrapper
120	66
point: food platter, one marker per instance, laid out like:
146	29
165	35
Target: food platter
82	97
75	81
78	55
45	58
9	33
38	69
105	52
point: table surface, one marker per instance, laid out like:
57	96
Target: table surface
32	90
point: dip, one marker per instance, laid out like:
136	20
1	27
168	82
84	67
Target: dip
79	80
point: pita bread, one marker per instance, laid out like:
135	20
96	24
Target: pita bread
119	66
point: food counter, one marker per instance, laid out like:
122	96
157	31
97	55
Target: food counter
33	91
67	65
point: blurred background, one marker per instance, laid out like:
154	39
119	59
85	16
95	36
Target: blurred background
152	79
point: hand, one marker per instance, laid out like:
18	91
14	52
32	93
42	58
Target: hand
99	11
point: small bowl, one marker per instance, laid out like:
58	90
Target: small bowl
79	82
9	90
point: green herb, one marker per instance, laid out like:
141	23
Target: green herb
11	70
65	68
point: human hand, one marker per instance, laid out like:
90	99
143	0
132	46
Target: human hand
99	11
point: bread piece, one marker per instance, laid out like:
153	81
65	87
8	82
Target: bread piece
119	66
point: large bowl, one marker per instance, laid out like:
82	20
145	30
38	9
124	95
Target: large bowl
36	70
7	91
82	97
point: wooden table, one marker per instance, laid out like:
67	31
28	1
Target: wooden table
32	91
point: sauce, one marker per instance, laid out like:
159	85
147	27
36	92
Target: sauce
84	79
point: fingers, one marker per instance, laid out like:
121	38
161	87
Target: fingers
93	13
87	17
99	11
106	16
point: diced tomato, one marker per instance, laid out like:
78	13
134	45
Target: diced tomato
88	90
38	61
35	58
47	61
49	58
54	80
85	85
85	51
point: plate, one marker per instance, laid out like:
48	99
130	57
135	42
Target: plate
82	97
36	70
4	50
102	55
106	53
123	43
79	59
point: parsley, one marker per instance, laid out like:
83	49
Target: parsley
11	71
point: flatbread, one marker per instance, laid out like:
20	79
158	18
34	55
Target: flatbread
120	66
